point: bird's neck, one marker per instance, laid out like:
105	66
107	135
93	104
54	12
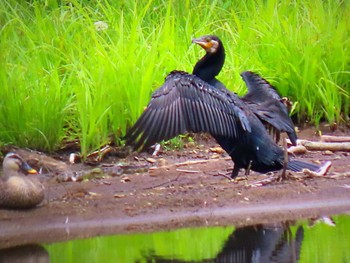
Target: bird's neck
210	65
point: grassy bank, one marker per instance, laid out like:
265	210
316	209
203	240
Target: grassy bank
62	76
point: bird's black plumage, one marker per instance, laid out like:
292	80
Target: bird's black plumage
185	103
266	103
188	103
262	97
209	66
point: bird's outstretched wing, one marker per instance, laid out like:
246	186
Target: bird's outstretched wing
267	104
185	103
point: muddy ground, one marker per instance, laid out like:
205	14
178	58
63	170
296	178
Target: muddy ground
172	196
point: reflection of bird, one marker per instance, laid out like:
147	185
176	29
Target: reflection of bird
187	103
16	189
26	253
262	244
259	243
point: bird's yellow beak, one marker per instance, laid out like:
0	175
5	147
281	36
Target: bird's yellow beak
32	171
203	43
28	169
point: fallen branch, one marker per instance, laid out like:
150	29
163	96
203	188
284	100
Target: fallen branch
325	146
297	150
329	138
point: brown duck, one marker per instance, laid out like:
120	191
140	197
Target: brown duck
19	184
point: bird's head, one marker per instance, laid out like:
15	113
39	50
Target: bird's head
209	43
14	163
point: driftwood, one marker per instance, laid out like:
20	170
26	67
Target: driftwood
329	138
325	146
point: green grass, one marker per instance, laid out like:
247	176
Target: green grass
60	78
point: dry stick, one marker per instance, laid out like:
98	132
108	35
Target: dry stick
264	181
329	138
226	176
162	184
325	146
299	149
188	171
99	154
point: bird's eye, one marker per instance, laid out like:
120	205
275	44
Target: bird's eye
208	39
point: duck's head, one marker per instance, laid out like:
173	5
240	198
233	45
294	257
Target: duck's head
13	164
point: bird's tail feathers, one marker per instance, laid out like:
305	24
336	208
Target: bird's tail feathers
298	166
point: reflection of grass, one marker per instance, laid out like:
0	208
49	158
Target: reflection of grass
188	244
320	243
61	77
324	243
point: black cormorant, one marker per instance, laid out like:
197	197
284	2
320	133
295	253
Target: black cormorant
194	103
185	103
262	97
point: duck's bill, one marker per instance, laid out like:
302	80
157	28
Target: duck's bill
26	167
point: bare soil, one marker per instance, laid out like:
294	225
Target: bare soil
170	196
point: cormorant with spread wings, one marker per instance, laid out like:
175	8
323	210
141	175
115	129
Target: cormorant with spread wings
200	103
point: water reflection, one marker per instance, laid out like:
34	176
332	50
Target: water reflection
27	253
260	243
319	240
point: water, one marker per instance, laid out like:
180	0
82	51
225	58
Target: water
304	241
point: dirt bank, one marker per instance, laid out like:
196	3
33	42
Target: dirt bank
179	196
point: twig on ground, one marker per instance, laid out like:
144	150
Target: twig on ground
264	181
325	146
329	138
226	176
98	155
299	149
162	184
188	171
